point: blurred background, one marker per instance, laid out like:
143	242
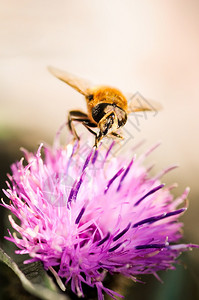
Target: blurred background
150	47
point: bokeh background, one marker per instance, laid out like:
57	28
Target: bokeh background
150	47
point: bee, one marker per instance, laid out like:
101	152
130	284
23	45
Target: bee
107	107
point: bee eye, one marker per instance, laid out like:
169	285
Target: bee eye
122	116
98	111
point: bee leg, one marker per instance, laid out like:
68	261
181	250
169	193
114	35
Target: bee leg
75	115
100	136
78	113
98	139
116	135
89	124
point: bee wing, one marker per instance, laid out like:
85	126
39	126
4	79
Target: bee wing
79	84
137	102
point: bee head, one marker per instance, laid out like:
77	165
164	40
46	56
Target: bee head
109	117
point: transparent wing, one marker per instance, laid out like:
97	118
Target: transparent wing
79	84
137	102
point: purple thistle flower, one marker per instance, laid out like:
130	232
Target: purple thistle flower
85	217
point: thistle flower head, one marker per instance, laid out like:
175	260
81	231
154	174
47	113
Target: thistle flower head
84	216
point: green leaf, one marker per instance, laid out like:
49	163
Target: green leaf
34	279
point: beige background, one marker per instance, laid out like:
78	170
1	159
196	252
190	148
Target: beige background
146	46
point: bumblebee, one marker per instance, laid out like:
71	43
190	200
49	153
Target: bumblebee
107	107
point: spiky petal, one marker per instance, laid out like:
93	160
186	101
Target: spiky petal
88	216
